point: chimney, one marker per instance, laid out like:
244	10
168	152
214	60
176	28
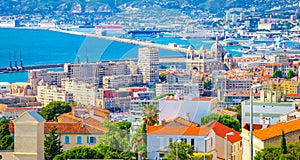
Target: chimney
262	95
82	120
187	116
163	122
261	119
268	120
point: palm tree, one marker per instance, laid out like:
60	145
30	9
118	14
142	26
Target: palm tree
150	114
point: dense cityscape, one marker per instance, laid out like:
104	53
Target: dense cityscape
209	80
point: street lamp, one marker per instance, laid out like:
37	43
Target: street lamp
205	139
226	137
178	141
251	117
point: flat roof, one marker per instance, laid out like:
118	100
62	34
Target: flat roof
4	83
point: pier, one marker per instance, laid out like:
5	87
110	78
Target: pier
140	43
26	68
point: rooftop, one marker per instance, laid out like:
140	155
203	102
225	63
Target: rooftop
276	129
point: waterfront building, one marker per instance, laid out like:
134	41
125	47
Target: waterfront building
148	64
206	61
47	94
265	135
21	89
4	88
51	78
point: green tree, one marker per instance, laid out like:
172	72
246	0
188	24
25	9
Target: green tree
118	139
230	122
53	109
290	74
150	114
125	125
6	141
162	78
268	153
52	144
238	110
180	150
200	156
224	119
139	140
209	118
283	146
80	152
207	84
277	74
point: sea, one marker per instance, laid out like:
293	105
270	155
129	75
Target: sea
38	46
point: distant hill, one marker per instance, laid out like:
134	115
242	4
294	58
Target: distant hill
81	6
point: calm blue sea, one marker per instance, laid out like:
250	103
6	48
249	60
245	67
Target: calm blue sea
48	47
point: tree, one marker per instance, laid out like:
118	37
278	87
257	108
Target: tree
80	152
180	150
150	114
125	125
290	74
207	84
200	156
238	110
53	109
283	146
139	140
209	118
268	153
52	144
6	141
230	122
224	119
277	74
162	78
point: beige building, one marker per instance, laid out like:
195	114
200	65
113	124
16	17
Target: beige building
186	89
119	81
206	61
265	135
83	93
148	62
47	94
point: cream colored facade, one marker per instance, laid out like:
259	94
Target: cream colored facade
148	62
29	137
73	140
47	94
83	93
234	149
119	81
260	144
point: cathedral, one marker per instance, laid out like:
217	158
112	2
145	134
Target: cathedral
205	61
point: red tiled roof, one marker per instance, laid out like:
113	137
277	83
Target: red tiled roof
221	131
224	111
101	112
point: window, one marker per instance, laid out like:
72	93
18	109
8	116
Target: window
79	140
67	140
192	142
91	140
170	140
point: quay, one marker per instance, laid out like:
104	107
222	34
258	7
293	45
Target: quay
140	43
25	68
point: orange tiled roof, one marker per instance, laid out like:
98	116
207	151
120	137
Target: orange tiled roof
183	122
221	131
202	99
68	117
276	129
178	130
100	112
224	111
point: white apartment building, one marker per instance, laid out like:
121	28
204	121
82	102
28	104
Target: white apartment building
119	81
47	94
4	87
186	89
83	93
148	63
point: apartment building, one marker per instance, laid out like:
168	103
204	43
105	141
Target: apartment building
186	89
47	94
119	81
148	64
